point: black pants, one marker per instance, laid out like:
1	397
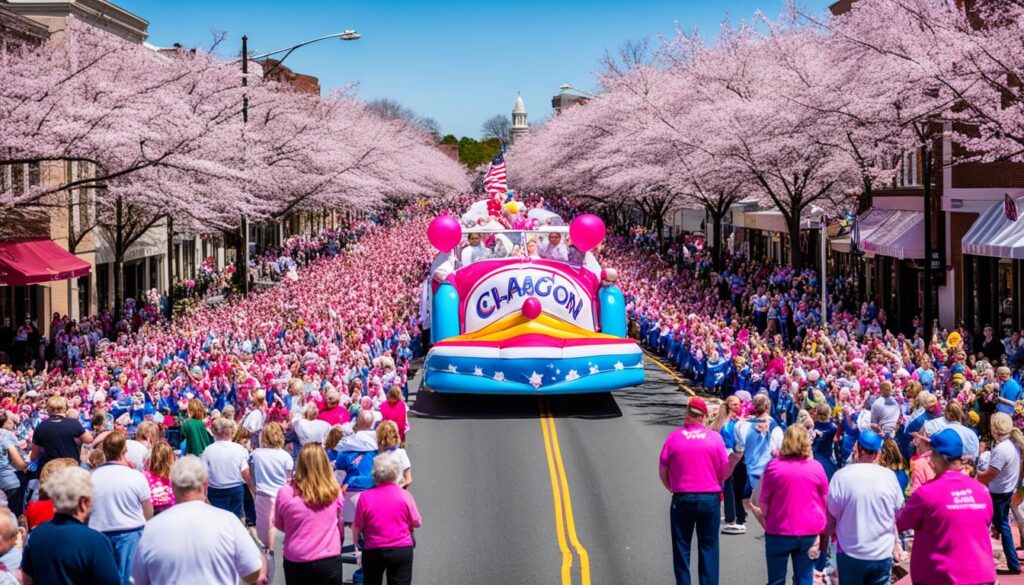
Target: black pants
396	562
319	572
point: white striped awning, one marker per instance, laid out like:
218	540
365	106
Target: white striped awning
992	234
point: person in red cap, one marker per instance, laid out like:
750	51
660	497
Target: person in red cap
693	465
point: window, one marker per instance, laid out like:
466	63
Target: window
908	169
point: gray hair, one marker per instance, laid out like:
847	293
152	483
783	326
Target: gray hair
386	469
224	427
189	474
67	487
13	528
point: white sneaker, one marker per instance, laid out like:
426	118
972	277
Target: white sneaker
734	529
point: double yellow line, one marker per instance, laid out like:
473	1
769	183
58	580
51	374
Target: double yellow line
565	524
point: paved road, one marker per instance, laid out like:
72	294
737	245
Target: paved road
489	472
483	481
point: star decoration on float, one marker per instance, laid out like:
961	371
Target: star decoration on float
452	368
536	380
595	370
572	375
619	366
499	376
478	371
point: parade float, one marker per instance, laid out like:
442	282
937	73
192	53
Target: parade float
517	307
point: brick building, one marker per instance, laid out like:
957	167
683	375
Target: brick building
976	253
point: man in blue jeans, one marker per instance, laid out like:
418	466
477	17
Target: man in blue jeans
863	499
693	465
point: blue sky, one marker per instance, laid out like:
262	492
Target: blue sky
457	61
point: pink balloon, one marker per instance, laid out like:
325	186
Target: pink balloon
586	231
531	308
444	233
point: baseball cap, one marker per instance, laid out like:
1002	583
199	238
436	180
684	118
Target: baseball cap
870	441
697	403
948	443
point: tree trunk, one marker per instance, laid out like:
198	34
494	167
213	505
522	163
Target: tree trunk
242	257
119	257
169	286
796	255
716	238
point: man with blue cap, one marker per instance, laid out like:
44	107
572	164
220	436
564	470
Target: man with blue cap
863	499
950	516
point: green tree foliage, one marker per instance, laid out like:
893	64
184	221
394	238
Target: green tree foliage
474	153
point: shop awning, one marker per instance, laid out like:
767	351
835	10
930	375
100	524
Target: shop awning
898	234
840	244
34	261
768	221
994	235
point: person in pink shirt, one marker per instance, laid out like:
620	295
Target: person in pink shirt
386	516
950	516
309	512
395	409
921	469
794	491
333	413
693	465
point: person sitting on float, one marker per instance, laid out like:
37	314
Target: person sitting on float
555	249
475	251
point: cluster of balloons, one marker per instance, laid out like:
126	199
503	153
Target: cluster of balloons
586	231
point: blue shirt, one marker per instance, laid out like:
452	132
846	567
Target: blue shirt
1011	391
50	559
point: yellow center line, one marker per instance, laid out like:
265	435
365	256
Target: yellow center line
563	500
570	521
556	494
682	383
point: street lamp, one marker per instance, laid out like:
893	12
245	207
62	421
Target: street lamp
345	35
568	87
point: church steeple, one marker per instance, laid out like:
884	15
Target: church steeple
519	124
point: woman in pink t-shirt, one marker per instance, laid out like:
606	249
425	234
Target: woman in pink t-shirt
309	512
394	409
158	472
794	489
386	515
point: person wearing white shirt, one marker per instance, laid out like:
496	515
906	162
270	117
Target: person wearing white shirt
138	448
555	249
227	464
863	499
1002	478
271	468
310	429
120	502
194	542
885	411
474	252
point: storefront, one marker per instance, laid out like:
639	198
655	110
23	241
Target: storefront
892	241
993	273
26	266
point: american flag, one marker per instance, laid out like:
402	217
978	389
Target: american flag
1010	208
496	180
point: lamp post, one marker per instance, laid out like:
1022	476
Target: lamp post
569	87
346	35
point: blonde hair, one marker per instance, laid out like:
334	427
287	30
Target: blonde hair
885	388
927	400
259	397
272	436
51	468
1002	424
161	458
314	479
147	431
56	405
387	435
796	443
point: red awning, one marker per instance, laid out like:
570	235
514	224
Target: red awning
33	261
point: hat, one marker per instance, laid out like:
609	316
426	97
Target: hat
948	443
870	441
697	403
